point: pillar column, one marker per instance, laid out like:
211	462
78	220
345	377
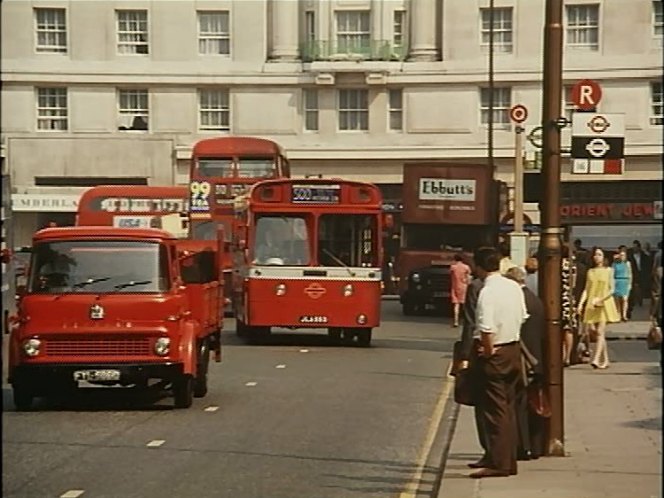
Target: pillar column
423	17
285	30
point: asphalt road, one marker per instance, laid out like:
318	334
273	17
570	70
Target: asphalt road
295	417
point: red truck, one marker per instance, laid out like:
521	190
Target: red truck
116	306
447	208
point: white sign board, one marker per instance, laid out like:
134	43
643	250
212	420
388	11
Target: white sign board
440	189
588	124
45	203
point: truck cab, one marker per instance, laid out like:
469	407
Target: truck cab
115	306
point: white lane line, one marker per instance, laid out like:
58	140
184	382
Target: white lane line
436	417
251	384
72	493
304	350
211	409
280	366
155	443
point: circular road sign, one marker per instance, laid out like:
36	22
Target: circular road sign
598	124
518	113
586	94
598	147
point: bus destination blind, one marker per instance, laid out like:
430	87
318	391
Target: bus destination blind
315	194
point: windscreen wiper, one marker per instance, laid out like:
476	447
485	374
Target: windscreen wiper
131	284
80	285
350	272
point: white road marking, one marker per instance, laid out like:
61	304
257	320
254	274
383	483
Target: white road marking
280	366
304	350
436	417
155	443
72	493
251	384
211	408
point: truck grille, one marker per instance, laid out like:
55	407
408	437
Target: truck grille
438	281
98	347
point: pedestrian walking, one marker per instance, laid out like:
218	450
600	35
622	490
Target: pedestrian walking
569	317
641	275
530	444
581	343
622	276
532	281
459	280
469	354
600	308
501	310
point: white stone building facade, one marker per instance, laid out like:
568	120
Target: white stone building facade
95	91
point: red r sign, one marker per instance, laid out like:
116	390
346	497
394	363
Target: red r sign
586	94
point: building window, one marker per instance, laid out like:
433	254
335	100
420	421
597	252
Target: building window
354	110
353	32
396	110
583	26
51	28
52	109
214	35
502	29
657	18
310	26
502	101
656	103
399	35
214	110
311	110
133	110
132	31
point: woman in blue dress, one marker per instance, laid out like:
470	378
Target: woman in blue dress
622	275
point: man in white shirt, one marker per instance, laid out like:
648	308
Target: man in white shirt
501	310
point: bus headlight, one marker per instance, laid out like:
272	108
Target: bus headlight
348	290
162	346
415	277
280	289
361	319
31	347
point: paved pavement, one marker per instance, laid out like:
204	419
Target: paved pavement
613	424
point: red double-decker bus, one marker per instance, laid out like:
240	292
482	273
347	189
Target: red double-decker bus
223	168
135	206
308	255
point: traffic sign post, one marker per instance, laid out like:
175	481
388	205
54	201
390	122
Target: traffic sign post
518	238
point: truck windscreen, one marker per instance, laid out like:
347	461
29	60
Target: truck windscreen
98	266
425	237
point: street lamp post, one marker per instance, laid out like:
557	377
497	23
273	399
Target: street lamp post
550	240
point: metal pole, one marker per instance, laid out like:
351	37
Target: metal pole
490	123
518	179
550	240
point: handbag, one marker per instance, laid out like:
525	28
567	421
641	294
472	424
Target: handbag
457	359
465	387
654	337
538	400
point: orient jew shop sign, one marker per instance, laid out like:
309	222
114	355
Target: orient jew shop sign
609	212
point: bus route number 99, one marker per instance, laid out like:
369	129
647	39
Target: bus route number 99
200	196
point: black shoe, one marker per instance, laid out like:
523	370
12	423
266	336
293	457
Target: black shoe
524	456
482	463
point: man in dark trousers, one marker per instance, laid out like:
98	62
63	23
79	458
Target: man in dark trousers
641	276
530	443
501	310
468	354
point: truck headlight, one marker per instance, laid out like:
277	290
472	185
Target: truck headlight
348	290
415	277
280	289
31	347
162	346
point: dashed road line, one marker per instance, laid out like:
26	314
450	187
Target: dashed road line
251	384
155	443
211	409
72	493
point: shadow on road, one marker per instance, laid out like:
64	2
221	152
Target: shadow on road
99	399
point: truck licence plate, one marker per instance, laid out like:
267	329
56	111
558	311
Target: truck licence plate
92	375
